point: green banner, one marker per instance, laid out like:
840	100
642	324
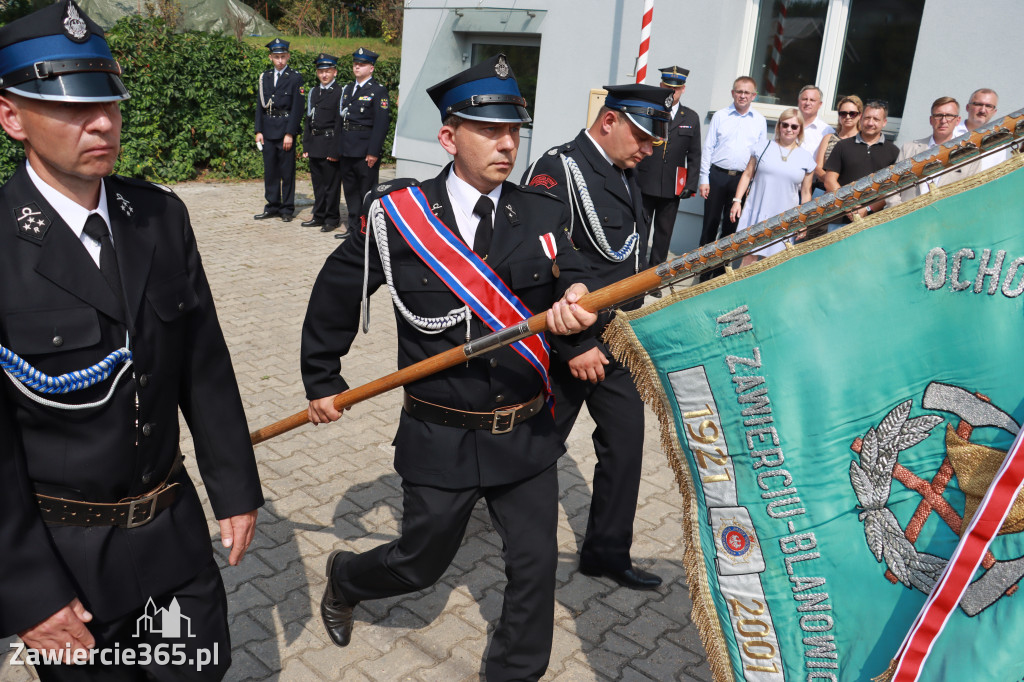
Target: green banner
833	414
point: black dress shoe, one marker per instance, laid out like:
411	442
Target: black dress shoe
286	218
633	578
335	612
342	235
312	222
264	215
328	228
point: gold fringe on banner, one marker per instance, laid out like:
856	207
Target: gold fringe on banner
628	350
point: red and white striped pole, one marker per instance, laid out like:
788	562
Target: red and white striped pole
645	41
773	65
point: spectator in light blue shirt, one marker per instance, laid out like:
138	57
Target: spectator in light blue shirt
733	133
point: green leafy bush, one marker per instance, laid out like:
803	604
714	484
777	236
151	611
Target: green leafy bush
193	102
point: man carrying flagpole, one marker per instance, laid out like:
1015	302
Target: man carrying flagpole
465	254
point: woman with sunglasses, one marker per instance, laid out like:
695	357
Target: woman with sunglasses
849	110
779	175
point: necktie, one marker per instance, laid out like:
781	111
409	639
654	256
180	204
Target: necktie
485	229
96	228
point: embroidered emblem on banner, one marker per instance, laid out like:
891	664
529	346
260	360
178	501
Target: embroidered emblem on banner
32	224
465	274
544	180
736	539
668	102
126	205
973	466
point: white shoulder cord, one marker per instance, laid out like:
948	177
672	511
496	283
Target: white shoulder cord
264	102
585	205
427	325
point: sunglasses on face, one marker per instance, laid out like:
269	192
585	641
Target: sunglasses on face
850	114
790	126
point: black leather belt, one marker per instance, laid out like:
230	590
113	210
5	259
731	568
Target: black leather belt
326	132
128	513
502	420
725	170
277	113
355	126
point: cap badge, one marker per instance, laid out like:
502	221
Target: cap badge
359	51
74	25
501	68
125	205
32	224
668	102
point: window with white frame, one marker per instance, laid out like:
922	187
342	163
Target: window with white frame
846	47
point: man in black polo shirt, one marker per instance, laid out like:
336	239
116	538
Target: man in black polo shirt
863	154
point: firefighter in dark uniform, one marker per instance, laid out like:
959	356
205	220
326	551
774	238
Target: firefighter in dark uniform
278	118
99	517
610	229
659	173
480	429
366	113
322	145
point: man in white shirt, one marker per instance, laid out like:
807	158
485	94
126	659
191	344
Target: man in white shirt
944	119
981	108
733	133
815	128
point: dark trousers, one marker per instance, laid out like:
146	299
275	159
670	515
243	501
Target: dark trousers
278	177
357	178
203	613
433	523
618	413
664	212
722	189
326	178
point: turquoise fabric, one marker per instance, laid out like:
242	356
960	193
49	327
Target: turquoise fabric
847	333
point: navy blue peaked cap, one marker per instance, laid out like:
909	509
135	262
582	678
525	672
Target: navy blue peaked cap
326	61
485	92
364	55
277	46
59	54
646	106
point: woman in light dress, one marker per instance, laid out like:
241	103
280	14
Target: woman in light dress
779	175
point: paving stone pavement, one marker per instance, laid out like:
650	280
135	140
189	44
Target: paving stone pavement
333	487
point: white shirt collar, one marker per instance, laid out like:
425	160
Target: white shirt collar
464	197
732	110
278	73
601	150
817	124
73	213
361	83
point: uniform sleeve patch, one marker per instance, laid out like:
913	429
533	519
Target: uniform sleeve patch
543	180
384	103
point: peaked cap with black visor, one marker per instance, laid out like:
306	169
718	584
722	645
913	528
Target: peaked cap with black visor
485	92
646	106
59	54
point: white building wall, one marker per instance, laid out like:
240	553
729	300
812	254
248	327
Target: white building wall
586	44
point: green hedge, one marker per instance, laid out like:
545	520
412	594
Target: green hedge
193	102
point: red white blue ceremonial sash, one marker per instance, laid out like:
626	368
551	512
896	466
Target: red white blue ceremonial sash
962	566
465	273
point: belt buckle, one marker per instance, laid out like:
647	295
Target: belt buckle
510	413
135	504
